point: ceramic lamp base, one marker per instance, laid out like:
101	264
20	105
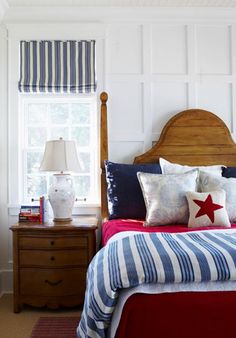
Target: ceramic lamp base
61	196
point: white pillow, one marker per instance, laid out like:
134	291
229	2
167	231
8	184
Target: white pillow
174	168
207	209
208	182
165	197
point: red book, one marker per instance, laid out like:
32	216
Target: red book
41	210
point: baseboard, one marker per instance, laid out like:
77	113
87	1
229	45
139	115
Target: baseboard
6	281
6	293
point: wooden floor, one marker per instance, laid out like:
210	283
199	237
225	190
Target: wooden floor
20	325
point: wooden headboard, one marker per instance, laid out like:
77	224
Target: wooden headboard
193	137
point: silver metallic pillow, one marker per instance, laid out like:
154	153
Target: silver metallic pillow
208	182
165	197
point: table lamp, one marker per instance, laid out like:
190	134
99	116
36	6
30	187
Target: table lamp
61	156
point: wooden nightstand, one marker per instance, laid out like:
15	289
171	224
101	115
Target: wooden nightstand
50	262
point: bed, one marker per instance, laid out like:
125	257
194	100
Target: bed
193	137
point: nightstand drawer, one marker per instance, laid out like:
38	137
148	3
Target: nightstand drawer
53	258
52	282
28	242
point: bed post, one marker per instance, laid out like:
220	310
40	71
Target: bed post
103	153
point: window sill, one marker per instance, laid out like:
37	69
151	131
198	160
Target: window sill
79	209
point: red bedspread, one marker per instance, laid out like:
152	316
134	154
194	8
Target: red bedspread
112	227
179	315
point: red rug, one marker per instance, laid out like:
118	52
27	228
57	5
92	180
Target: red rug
55	327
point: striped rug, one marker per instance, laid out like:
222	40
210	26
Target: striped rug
55	327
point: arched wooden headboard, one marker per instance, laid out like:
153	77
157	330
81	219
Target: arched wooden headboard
193	137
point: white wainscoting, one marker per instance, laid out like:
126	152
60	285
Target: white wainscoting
4	232
180	66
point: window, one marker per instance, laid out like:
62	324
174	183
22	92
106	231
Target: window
46	117
20	176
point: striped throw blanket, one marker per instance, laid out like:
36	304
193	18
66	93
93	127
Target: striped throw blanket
152	258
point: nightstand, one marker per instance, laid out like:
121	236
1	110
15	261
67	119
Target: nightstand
50	262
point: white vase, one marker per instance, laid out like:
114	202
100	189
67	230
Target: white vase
61	196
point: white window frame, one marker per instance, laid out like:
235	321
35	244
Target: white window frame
62	31
49	98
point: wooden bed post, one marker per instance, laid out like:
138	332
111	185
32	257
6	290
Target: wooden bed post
103	153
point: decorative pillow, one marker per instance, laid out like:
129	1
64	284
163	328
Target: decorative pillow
229	172
209	182
207	208
125	198
174	168
165	197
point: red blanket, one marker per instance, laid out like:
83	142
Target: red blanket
112	227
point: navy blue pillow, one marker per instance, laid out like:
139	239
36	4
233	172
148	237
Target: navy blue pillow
229	172
125	198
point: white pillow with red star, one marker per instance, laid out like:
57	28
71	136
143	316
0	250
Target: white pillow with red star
207	209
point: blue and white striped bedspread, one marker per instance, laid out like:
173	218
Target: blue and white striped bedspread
153	258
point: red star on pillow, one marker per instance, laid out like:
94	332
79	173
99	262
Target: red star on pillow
207	207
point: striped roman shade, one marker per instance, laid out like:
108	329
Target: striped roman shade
57	66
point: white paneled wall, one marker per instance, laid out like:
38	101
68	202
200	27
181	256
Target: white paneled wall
155	70
125	49
5	236
168	49
167	97
216	97
126	108
213	49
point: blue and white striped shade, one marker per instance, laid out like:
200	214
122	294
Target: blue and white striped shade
57	66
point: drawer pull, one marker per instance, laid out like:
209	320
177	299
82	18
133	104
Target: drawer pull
53	283
52	242
52	258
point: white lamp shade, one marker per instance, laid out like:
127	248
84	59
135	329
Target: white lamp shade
60	155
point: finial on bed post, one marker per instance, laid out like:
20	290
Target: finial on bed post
103	97
103	153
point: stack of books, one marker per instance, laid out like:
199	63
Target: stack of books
34	213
